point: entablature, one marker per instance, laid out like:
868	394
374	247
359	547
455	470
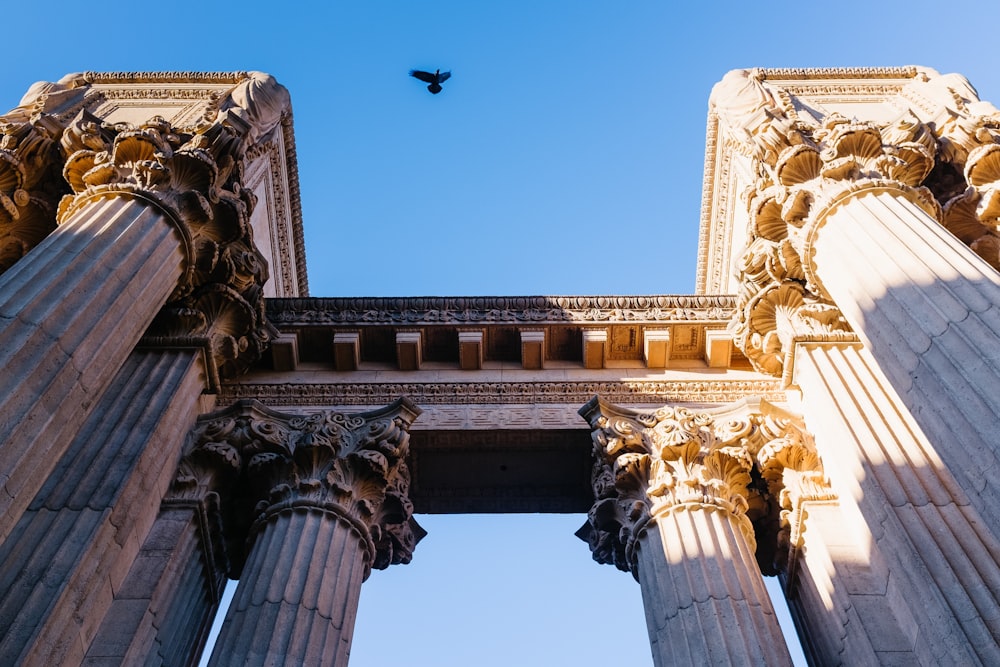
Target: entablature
473	362
482	333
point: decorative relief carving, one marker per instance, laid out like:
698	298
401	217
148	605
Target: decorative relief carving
793	471
282	225
261	463
807	167
501	310
504	393
974	215
30	184
212	465
942	153
786	73
647	465
195	176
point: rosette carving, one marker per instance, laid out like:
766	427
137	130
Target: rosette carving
262	463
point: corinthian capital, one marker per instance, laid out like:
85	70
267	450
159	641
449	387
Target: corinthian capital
648	464
30	185
194	175
352	466
814	168
750	459
793	471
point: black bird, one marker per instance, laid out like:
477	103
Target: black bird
435	80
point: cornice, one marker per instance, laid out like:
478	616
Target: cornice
166	77
500	310
798	73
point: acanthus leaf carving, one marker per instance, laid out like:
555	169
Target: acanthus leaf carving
814	167
29	183
194	175
793	471
648	464
738	459
352	466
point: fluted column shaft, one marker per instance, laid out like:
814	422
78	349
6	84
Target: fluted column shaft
297	600
672	489
704	596
163	611
70	313
327	501
71	551
928	309
929	578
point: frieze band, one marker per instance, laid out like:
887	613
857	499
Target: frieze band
514	310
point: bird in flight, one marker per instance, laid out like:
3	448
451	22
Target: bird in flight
434	79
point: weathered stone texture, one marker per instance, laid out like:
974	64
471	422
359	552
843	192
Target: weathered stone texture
74	546
72	312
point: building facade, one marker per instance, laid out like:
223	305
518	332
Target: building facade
176	410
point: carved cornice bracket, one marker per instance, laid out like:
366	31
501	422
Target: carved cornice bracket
262	463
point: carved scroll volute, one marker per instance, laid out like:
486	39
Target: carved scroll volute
647	464
793	471
351	466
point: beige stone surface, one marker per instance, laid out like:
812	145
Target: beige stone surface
847	271
910	550
674	504
326	499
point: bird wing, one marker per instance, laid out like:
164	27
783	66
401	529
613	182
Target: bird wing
444	76
426	77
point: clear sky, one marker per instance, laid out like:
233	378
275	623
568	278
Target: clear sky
564	156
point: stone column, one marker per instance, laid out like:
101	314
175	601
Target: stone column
331	503
163	611
846	240
928	310
912	557
71	551
158	215
673	490
851	287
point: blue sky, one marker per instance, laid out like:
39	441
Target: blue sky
565	156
